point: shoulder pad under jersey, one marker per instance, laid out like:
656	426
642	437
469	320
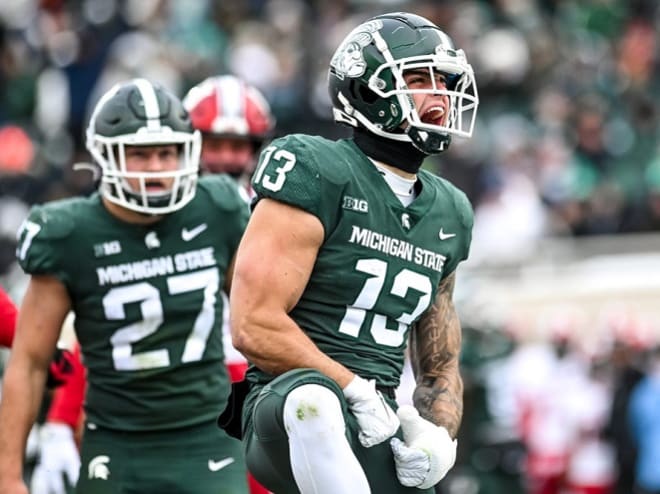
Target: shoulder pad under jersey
55	219
46	224
300	170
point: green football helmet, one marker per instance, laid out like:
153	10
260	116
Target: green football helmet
139	113
368	89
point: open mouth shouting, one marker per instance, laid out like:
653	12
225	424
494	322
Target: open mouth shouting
156	187
434	115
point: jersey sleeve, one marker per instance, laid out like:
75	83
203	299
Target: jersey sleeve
289	172
40	250
465	216
8	314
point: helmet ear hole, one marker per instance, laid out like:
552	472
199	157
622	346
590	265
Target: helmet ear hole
354	90
367	95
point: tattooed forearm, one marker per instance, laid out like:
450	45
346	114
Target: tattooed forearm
435	347
441	401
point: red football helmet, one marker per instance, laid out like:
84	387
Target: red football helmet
234	119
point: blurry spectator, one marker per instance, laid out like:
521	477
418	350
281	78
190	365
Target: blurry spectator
591	467
644	420
551	417
625	358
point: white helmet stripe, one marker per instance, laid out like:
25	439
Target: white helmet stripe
444	39
151	109
232	102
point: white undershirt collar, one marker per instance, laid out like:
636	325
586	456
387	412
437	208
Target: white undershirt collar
403	188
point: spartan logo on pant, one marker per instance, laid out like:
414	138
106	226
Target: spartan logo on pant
98	468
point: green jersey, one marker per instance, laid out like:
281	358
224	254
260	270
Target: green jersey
147	302
381	262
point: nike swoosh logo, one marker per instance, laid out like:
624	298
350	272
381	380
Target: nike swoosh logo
445	236
214	466
188	235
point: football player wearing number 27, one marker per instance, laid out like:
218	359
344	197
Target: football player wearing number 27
141	264
349	256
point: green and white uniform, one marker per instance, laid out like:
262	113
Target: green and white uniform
380	264
148	317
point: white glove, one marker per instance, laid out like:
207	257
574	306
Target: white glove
375	417
58	458
427	452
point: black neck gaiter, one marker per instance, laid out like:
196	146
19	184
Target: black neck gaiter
402	155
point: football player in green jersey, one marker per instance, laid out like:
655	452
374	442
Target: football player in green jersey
349	257
141	264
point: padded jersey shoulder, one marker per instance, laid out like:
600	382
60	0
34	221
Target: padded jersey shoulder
308	172
56	219
49	228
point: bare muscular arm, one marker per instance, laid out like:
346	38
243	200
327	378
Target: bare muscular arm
273	264
435	344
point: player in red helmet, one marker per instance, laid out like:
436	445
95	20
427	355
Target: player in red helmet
234	119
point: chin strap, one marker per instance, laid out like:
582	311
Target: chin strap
428	142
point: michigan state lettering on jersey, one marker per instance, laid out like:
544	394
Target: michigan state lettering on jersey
148	311
381	262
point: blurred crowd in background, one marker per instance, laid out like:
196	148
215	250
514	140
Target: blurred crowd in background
567	137
545	417
566	145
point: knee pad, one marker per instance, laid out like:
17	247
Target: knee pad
312	409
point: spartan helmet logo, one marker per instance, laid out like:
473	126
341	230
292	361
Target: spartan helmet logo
151	240
348	60
405	221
